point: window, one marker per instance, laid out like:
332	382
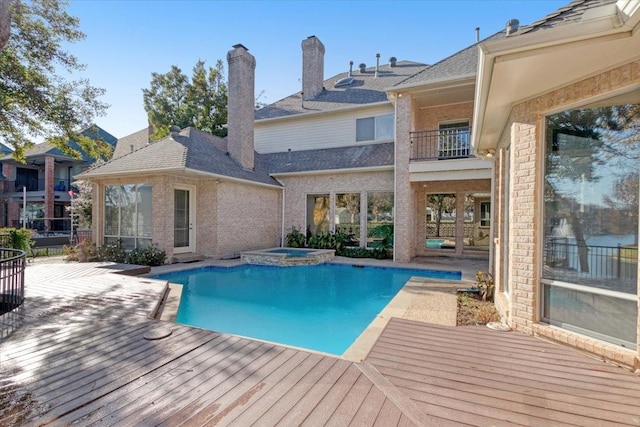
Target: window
374	128
590	228
317	214
347	215
485	214
380	220
127	210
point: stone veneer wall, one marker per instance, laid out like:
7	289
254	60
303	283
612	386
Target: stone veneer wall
524	133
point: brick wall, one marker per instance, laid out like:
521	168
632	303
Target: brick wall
430	118
525	133
298	187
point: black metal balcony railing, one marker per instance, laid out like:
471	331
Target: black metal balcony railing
603	262
441	144
36	185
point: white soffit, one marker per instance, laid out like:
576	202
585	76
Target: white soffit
529	69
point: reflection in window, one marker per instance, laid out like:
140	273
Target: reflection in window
128	220
317	214
374	128
591	215
441	221
347	215
380	220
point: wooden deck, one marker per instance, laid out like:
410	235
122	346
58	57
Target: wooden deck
81	356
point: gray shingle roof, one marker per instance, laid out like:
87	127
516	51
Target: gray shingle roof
131	142
461	63
189	150
46	149
366	89
329	159
570	14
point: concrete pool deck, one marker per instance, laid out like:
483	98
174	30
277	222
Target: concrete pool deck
424	299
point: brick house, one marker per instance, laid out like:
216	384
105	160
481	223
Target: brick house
519	149
558	106
47	176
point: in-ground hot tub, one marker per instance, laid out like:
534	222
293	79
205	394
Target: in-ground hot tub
287	256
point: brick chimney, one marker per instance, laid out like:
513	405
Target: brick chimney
241	105
312	67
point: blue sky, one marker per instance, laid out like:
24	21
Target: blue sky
128	40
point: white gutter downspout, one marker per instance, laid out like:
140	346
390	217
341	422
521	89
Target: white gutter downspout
282	233
395	174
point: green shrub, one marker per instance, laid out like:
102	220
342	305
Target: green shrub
384	233
151	255
377	253
112	253
18	238
295	238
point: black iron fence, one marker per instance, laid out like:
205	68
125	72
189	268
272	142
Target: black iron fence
598	262
441	144
12	264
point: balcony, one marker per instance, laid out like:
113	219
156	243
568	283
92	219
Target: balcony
441	144
35	185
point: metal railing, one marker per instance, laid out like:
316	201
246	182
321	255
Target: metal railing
441	144
602	262
33	184
12	264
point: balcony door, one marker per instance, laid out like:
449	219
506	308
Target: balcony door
454	139
183	220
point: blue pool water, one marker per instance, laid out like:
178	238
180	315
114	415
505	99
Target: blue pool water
321	307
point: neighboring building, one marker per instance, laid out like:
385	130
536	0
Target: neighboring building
558	106
47	176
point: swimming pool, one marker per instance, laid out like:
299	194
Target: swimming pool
322	307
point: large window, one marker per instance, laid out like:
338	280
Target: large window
590	255
347	214
128	215
374	128
317	214
380	220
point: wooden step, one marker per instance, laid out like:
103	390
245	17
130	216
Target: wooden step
185	258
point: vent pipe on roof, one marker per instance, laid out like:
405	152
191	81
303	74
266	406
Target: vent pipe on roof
174	130
392	61
477	34
377	63
512	26
350	68
363	68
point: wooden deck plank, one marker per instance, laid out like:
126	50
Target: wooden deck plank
317	391
345	412
236	359
134	395
388	416
215	396
227	415
508	388
264	403
463	374
298	393
367	413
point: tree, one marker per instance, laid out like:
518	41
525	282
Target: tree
5	23
81	204
441	203
172	99
37	102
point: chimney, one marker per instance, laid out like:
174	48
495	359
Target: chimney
241	104
512	26
312	67
377	63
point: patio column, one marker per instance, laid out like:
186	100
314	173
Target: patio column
459	223
49	170
403	218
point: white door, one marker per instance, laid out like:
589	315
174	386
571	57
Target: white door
183	220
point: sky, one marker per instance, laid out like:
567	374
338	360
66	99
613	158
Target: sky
127	40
